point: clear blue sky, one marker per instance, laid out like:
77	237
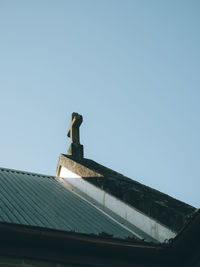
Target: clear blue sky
131	68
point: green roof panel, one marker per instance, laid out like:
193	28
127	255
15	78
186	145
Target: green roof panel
42	201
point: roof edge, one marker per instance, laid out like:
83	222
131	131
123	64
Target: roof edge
26	172
76	166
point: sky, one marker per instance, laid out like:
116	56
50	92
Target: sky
131	68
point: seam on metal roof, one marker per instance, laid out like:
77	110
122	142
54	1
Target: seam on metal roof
103	212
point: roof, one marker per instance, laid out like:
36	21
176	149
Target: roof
42	201
50	245
39	212
165	209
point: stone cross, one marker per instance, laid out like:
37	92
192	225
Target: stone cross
75	149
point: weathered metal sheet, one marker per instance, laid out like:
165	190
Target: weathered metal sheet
38	200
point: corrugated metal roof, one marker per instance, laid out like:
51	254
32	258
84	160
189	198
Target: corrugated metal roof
39	200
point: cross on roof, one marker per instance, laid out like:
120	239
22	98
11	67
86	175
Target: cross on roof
73	131
75	149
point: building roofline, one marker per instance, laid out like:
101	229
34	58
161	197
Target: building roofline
26	172
48	244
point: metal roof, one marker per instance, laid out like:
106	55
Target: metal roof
39	200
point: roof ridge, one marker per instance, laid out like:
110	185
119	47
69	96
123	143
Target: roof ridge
26	172
127	179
